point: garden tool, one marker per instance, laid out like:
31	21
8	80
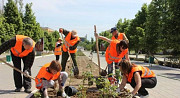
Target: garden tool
103	71
97	49
75	68
24	73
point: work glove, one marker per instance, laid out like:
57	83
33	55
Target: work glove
26	73
118	90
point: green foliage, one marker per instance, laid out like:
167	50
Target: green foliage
122	25
136	29
86	44
31	27
82	91
108	90
7	30
173	34
152	28
12	16
80	53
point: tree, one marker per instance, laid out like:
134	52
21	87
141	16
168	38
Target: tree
174	27
152	27
122	25
31	27
7	30
12	16
56	35
135	31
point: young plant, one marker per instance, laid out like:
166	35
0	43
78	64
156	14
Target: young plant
82	91
108	90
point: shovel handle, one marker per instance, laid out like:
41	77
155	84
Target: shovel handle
18	70
97	49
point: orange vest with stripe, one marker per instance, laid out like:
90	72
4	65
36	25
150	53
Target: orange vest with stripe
69	42
43	73
57	50
120	36
144	72
111	53
17	49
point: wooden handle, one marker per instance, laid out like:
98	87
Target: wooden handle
97	49
17	70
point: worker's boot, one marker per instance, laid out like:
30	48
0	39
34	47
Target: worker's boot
17	90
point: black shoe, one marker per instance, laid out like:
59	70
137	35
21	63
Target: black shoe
17	90
27	90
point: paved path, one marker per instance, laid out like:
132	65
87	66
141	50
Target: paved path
168	85
6	77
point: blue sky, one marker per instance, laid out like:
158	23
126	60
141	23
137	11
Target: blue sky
82	15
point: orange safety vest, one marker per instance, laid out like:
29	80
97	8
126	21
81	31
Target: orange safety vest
57	50
17	49
111	53
43	73
120	36
69	42
144	72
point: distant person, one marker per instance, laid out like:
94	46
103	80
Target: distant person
139	78
114	53
57	50
71	42
117	35
47	76
21	47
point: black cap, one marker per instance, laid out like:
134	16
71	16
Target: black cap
113	29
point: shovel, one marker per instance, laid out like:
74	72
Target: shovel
97	49
103	72
25	74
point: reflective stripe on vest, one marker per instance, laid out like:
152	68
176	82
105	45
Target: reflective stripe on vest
145	72
111	53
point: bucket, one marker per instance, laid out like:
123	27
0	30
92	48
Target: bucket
8	58
70	90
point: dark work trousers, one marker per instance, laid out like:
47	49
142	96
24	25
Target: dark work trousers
110	68
17	75
64	59
145	83
57	57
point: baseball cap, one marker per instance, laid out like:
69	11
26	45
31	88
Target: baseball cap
113	29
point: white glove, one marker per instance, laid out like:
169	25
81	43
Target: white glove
118	90
26	73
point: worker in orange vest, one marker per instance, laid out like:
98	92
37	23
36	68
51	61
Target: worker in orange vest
139	78
47	76
114	53
70	45
22	47
117	35
57	50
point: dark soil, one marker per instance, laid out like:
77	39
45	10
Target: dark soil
92	91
